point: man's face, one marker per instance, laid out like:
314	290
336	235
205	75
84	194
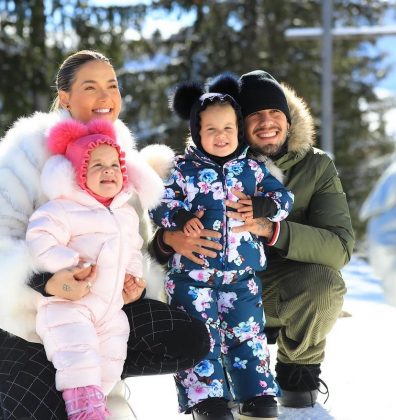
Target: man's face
266	131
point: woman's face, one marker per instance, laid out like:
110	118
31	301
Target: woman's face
94	93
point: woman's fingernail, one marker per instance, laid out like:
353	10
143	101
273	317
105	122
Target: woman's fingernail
86	264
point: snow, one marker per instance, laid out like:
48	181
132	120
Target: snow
359	367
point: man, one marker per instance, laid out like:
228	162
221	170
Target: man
302	287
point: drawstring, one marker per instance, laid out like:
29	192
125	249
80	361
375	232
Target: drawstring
298	376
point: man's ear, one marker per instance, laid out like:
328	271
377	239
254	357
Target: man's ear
64	99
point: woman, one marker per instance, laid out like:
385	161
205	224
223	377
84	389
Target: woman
162	339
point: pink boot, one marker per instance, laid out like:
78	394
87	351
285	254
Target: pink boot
85	403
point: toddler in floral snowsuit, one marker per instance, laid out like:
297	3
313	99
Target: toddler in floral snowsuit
225	292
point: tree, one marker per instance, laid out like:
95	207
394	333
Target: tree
241	36
36	36
215	36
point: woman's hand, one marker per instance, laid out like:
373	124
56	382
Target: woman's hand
72	283
244	212
189	245
133	288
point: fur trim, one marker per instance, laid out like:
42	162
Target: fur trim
302	129
22	156
160	158
58	180
154	275
58	177
19	302
124	137
145	181
273	169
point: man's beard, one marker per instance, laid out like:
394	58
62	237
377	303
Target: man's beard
267	149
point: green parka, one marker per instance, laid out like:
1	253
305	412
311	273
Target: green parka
319	228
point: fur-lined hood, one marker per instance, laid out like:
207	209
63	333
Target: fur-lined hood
58	179
301	133
302	129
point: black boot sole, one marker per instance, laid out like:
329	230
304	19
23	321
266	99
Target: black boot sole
267	413
298	399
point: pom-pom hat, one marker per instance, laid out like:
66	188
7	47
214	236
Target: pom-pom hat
76	141
191	98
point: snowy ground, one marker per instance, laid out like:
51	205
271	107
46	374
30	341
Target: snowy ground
359	369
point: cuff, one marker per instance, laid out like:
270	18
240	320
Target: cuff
275	236
38	282
182	217
263	207
162	246
142	296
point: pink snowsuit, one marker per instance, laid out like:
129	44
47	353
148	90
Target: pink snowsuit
87	339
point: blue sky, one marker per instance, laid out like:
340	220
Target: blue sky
387	44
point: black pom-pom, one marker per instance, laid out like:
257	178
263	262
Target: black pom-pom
184	97
225	83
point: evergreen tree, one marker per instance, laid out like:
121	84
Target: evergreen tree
210	37
241	36
36	36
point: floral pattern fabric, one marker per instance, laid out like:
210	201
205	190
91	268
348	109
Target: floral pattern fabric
224	293
235	320
198	183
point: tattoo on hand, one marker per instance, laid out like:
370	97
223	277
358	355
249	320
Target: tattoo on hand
266	228
66	287
262	222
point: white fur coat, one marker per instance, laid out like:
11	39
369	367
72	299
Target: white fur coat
22	157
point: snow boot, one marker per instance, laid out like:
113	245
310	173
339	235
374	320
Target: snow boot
263	407
85	402
212	409
300	384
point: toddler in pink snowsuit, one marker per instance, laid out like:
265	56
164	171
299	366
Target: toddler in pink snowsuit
88	219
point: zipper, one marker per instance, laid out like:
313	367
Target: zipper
225	230
119	258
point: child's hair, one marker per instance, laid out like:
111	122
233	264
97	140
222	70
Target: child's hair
67	71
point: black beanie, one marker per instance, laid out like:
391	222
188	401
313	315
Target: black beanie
258	91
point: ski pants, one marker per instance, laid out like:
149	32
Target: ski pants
230	304
84	352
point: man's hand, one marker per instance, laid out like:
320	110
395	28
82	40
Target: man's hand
188	246
133	288
260	226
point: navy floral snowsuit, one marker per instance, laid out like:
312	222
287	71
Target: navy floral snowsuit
225	293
